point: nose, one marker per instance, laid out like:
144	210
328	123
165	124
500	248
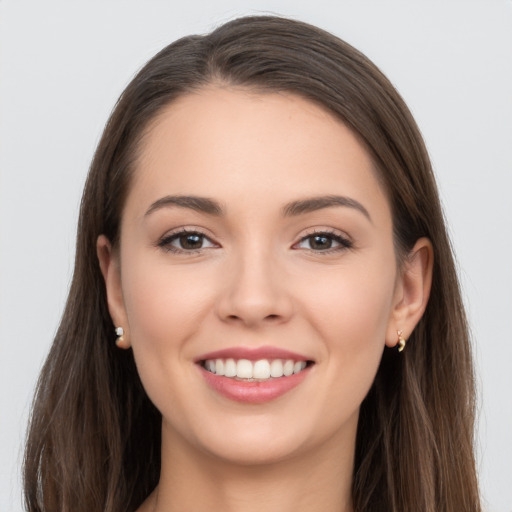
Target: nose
256	292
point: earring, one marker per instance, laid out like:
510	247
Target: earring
120	337
401	341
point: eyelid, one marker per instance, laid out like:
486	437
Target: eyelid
164	242
341	238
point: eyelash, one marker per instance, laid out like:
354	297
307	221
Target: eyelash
344	243
165	242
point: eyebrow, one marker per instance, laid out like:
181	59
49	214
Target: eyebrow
299	207
199	204
312	204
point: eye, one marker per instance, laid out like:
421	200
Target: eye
186	241
323	242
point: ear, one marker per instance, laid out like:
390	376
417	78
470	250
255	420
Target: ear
110	268
412	291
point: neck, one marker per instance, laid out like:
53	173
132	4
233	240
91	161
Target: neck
191	481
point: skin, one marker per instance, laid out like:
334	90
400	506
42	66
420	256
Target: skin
258	280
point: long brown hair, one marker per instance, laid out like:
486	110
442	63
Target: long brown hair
94	438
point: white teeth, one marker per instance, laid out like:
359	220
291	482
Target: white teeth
288	368
230	368
244	369
254	370
276	368
298	366
219	367
261	369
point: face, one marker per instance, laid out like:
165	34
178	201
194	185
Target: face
256	242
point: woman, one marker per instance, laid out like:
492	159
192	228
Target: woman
264	312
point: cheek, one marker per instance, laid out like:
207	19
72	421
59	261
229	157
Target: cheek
354	301
163	307
351	311
161	300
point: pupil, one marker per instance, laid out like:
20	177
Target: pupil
191	241
320	242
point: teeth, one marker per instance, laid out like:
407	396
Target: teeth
276	368
299	366
254	370
230	368
288	368
261	369
244	369
218	367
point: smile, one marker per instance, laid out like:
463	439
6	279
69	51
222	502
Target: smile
254	371
253	375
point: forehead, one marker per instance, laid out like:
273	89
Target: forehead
228	143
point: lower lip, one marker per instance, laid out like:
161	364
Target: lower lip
253	392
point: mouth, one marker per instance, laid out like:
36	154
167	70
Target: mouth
254	375
261	370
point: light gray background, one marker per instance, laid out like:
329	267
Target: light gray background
63	64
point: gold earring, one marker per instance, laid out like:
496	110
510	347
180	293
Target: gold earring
120	337
401	341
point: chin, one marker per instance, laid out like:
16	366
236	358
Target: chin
255	452
267	439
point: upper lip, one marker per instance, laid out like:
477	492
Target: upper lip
253	354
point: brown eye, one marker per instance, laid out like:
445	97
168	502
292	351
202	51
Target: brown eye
320	242
190	241
186	241
325	242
